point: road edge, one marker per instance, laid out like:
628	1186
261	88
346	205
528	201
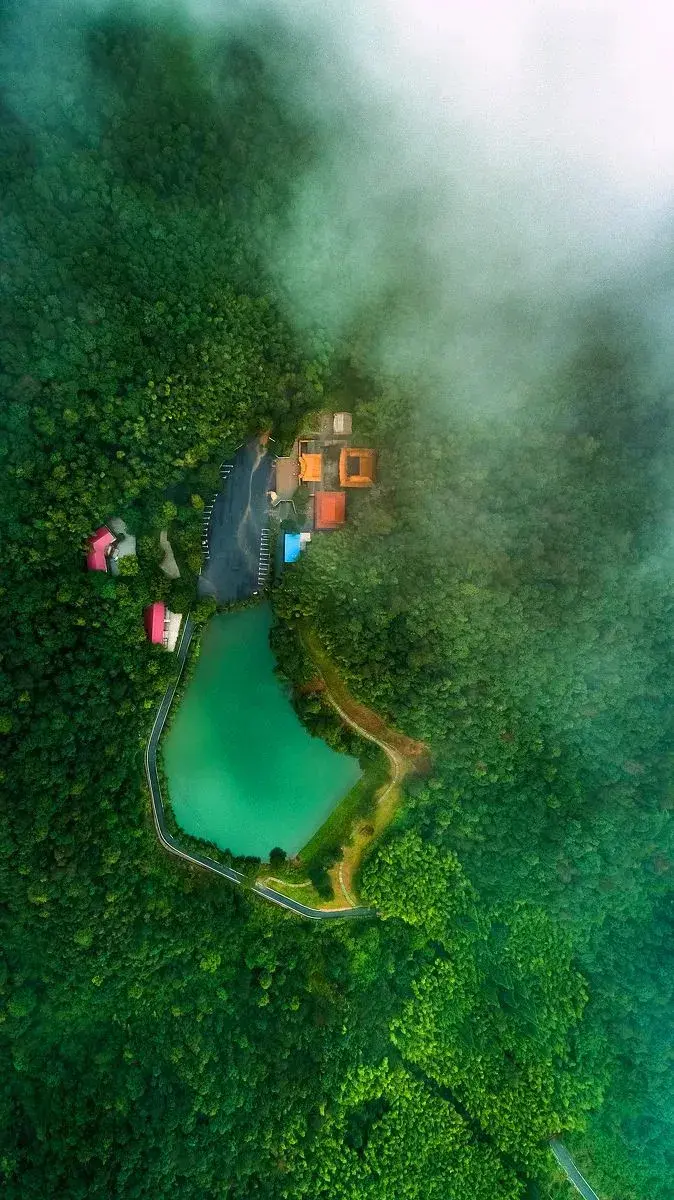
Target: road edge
201	860
170	844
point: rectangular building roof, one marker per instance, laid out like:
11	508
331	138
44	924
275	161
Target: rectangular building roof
329	510
99	543
287	477
292	545
341	423
154	622
101	539
311	468
173	621
357	467
96	560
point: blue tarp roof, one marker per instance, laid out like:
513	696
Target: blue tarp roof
291	547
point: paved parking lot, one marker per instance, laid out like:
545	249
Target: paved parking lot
234	539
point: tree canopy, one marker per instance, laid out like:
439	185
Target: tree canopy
162	1034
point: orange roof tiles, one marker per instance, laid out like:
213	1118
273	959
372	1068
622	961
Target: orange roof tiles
357	467
311	468
329	510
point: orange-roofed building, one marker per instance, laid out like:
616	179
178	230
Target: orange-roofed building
329	510
357	467
311	468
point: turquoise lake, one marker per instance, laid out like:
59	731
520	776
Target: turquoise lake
242	770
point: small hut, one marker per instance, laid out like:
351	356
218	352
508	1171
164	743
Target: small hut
292	546
286	477
155	617
311	468
342	424
100	545
162	626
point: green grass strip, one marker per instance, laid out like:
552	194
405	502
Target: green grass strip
356	804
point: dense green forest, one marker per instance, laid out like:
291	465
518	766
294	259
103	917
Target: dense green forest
535	658
160	1034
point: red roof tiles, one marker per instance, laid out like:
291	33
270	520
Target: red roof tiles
329	510
154	622
99	543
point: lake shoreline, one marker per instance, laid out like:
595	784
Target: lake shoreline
238	760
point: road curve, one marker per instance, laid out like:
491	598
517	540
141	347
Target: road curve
295	906
201	860
399	768
398	763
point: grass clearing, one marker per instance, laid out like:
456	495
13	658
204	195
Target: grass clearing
359	803
328	866
304	894
345	875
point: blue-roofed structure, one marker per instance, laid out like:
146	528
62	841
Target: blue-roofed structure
291	547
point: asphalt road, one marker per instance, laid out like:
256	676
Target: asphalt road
572	1173
167	840
235	531
202	860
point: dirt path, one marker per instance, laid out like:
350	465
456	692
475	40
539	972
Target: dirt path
387	801
405	756
285	882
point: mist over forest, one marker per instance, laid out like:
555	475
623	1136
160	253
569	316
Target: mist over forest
219	219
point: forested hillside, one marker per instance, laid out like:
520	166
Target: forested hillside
506	595
160	1034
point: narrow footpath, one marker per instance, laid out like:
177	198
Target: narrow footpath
400	765
201	860
405	755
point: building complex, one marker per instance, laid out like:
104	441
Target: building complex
328	466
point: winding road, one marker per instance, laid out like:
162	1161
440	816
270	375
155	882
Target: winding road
399	763
400	766
202	860
169	843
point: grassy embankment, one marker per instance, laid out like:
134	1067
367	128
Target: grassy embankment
323	873
319	860
361	819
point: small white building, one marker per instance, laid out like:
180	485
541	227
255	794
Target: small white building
172	629
342	424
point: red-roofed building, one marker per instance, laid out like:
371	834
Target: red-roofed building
329	510
155	615
100	544
97	561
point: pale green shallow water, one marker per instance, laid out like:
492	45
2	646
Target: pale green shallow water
242	770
